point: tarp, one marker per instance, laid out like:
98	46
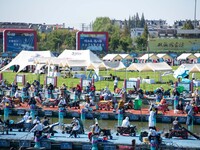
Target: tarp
185	56
149	56
80	58
112	57
26	58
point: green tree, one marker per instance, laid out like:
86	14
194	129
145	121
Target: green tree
188	25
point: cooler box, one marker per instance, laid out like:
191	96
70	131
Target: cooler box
137	104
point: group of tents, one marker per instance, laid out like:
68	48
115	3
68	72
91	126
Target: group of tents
83	58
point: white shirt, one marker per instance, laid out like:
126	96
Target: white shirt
151	119
125	123
37	127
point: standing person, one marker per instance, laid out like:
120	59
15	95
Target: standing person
115	83
152	118
190	113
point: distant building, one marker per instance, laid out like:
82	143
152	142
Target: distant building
136	32
179	24
156	23
43	28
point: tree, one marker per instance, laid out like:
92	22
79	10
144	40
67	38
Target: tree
142	42
142	21
188	25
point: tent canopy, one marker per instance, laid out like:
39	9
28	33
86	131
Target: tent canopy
136	66
112	57
185	56
187	66
164	56
126	56
80	58
149	56
195	68
117	65
26	58
197	55
146	67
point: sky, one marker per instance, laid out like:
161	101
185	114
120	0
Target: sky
76	12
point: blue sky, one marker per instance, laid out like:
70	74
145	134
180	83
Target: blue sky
75	12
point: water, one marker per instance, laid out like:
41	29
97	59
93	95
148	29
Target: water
112	124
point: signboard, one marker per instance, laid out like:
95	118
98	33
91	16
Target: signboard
95	41
20	79
52	80
159	44
131	84
86	83
185	85
16	40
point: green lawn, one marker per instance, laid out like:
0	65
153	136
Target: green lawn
71	82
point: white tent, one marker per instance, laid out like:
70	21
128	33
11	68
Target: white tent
187	66
26	58
164	56
156	67
126	56
80	58
195	68
136	66
149	56
146	67
117	65
197	55
185	56
112	57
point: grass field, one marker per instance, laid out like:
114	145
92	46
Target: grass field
71	82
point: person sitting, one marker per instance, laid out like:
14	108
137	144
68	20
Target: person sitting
129	105
36	120
176	124
180	108
75	129
37	129
126	122
25	118
95	131
62	102
45	121
121	104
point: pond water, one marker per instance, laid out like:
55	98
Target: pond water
112	124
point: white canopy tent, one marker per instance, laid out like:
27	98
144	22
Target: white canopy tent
114	65
112	57
197	55
80	58
164	56
187	66
186	56
146	67
136	66
26	58
149	56
195	68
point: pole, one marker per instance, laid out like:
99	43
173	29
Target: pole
195	11
148	48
